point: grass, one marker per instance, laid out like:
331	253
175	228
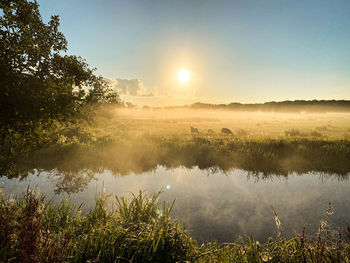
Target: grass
137	229
269	156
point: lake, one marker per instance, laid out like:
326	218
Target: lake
211	204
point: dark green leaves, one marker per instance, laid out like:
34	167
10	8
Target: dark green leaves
38	82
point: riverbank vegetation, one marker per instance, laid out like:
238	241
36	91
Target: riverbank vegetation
138	229
128	140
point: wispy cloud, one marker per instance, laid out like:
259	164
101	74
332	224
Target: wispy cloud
133	90
131	87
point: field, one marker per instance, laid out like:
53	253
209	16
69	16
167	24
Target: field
247	125
131	140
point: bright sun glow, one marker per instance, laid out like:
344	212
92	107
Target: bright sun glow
183	75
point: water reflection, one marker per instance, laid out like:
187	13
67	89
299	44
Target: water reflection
269	157
211	205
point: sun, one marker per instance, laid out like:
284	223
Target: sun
183	75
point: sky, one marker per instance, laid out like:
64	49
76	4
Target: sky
235	51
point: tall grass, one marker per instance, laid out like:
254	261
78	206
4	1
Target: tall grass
137	229
269	156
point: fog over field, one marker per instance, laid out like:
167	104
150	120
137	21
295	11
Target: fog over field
178	121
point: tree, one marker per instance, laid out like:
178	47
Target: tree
38	82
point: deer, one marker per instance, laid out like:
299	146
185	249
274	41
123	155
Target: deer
226	131
194	130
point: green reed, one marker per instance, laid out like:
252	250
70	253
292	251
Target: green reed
137	229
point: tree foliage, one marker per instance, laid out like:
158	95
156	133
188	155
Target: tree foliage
38	80
282	106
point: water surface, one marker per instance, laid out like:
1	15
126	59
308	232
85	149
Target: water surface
212	205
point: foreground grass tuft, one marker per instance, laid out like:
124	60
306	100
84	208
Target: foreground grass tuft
137	230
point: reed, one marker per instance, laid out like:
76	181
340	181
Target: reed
138	229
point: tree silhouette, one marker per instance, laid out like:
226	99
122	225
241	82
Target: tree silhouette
38	82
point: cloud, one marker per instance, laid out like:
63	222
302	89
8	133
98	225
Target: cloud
131	87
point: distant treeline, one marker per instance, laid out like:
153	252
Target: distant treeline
282	106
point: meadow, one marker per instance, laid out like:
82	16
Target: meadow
137	140
248	125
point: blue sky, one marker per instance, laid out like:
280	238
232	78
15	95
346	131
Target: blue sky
246	51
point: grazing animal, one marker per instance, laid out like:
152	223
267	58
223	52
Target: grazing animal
194	130
226	131
210	131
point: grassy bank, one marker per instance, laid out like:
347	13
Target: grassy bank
125	140
268	156
137	229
